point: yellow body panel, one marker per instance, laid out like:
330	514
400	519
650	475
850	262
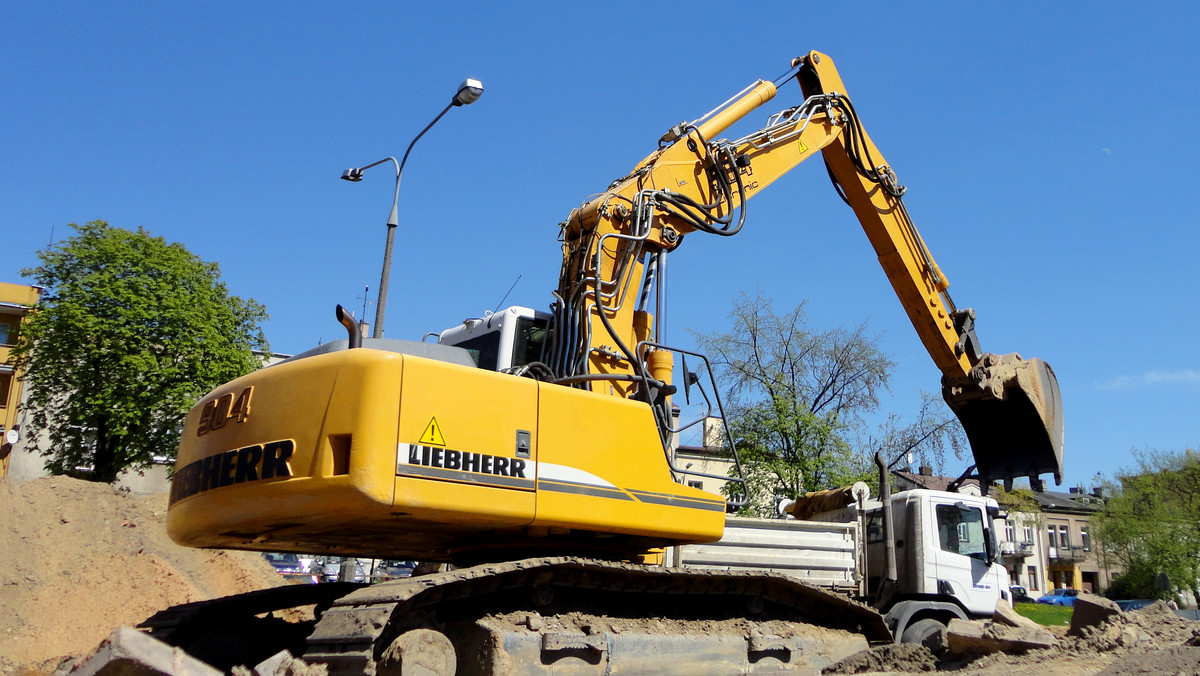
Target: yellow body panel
465	411
400	456
601	467
338	410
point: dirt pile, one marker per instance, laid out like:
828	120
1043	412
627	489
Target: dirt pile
1147	641
82	558
904	657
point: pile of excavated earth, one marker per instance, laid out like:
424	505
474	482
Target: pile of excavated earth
1101	639
86	561
83	558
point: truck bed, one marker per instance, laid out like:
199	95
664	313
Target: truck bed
821	553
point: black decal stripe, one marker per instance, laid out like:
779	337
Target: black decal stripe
403	469
558	486
677	501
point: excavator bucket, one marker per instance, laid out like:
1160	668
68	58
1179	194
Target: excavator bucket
1011	409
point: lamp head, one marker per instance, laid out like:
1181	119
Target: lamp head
352	175
468	92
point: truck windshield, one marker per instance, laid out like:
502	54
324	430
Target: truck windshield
960	530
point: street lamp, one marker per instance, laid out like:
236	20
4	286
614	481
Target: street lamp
468	92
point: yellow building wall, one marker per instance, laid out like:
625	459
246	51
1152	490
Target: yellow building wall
15	302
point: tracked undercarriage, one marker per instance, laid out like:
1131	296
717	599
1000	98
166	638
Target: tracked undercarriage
538	616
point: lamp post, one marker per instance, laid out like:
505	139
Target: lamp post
468	92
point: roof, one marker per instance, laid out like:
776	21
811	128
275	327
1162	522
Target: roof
1053	501
713	451
933	482
1048	501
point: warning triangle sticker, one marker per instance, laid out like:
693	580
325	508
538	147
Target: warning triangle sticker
433	434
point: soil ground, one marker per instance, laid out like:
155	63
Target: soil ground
84	558
1147	641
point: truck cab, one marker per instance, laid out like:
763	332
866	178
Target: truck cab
945	557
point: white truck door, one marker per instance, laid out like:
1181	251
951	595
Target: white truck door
960	554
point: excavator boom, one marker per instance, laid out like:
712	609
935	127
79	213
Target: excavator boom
1010	408
695	182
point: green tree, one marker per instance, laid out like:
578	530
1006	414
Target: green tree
925	439
798	399
1151	524
127	336
793	393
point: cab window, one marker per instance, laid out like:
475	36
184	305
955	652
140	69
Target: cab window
875	526
485	349
960	530
531	336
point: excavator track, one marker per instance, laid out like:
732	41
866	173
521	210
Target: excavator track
567	615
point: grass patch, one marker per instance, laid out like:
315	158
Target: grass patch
1045	615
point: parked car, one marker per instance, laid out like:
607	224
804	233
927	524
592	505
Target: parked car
331	569
389	569
1019	595
1060	597
1133	604
286	564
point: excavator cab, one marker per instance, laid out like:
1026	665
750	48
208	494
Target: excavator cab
1011	410
502	341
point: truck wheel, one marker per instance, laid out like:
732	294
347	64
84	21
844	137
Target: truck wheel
922	631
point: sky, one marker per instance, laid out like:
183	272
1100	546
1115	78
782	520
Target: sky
1048	154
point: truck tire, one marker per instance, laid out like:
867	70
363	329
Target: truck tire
921	631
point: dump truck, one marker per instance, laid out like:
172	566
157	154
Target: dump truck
921	559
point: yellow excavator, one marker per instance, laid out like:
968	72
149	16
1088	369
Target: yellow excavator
533	450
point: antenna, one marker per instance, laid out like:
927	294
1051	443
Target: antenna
514	285
365	301
50	245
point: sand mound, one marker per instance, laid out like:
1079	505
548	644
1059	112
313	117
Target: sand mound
82	558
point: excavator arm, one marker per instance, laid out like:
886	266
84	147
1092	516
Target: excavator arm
608	336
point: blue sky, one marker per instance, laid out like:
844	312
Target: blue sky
1048	151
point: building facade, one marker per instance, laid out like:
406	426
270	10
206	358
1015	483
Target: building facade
16	300
1073	559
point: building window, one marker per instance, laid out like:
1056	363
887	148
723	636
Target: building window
1033	579
1085	538
696	484
5	386
8	329
1064	536
1029	535
1010	532
1052	533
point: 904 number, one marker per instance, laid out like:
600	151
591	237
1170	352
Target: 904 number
224	409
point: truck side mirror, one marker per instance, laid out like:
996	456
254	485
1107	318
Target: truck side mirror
990	546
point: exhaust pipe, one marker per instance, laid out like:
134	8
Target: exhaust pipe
347	320
887	585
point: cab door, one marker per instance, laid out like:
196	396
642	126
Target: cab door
962	555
